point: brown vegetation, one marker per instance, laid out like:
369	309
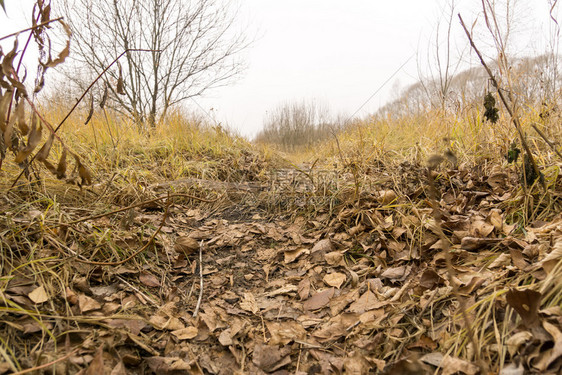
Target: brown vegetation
414	241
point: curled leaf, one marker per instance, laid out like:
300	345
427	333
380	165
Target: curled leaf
46	14
120	86
90	112
65	52
61	167
20	118
104	98
32	141
43	154
7	63
8	133
83	172
4	104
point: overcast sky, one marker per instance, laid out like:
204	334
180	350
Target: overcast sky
338	53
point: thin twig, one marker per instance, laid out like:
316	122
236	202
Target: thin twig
200	280
31	28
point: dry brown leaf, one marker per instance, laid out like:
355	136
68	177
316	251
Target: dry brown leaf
7	63
187	333
120	89
38	295
119	369
526	303
394	273
517	341
65	52
43	153
496	219
334	258
271	358
149	279
87	304
249	303
4	104
96	367
90	111
368	301
168	365
282	333
186	245
104	97
452	365
83	172
556	351
480	228
356	364
292	255
32	141
335	279
304	288
503	260
20	117
8	134
385	197
319	300
62	165
430	279
324	245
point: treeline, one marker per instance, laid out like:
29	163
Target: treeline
535	81
299	125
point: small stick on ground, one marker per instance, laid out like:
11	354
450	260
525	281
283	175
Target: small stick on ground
201	280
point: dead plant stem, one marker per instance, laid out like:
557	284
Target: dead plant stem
200	280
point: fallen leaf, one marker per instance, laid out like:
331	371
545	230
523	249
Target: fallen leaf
282	333
87	304
292	255
249	303
270	358
526	303
96	367
149	279
186	333
335	279
38	295
319	300
186	245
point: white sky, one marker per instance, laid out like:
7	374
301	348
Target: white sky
335	52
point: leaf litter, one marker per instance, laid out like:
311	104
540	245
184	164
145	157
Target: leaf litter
349	284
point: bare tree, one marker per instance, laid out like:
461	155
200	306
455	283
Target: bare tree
194	45
441	64
298	124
